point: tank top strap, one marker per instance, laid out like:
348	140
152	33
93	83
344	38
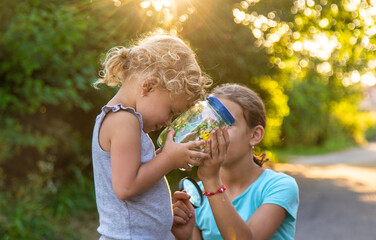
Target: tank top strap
106	109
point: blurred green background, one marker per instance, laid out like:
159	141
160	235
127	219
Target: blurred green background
312	62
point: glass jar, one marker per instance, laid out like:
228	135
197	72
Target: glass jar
198	122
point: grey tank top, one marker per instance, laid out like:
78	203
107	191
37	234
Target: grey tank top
146	216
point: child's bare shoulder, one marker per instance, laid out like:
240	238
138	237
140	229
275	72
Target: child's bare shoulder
122	116
120	126
120	121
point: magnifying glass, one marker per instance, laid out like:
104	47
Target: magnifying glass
191	187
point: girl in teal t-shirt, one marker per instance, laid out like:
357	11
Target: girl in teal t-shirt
242	199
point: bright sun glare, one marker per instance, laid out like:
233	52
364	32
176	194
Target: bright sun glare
169	10
318	44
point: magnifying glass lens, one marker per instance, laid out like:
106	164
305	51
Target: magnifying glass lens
192	191
192	188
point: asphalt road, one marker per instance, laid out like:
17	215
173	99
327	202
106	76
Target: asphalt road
337	194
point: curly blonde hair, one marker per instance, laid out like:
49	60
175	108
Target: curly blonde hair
161	55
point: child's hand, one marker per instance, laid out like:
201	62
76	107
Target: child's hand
217	148
184	216
181	154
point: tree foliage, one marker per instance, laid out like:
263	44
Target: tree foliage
323	52
44	70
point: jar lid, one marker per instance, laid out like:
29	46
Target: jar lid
221	109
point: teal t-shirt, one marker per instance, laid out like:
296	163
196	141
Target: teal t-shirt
270	187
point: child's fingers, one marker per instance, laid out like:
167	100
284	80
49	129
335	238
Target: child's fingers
208	147
195	144
182	203
187	168
180	195
196	155
181	210
226	136
190	207
221	142
188	204
214	143
179	220
195	161
170	135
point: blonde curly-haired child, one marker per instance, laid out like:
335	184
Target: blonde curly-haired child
159	77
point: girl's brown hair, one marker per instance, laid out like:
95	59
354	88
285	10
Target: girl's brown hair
252	105
160	55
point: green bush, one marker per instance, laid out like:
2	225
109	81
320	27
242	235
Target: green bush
44	86
40	210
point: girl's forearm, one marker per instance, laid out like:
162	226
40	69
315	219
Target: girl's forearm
229	222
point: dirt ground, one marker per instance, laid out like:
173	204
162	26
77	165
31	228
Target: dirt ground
337	194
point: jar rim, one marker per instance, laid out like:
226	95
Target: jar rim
221	109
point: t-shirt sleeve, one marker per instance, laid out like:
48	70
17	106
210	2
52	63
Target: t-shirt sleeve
284	191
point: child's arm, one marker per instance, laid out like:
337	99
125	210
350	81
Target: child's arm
129	176
263	223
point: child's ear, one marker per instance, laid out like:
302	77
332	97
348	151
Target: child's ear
257	135
148	85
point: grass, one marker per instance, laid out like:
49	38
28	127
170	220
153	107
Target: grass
30	210
84	225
